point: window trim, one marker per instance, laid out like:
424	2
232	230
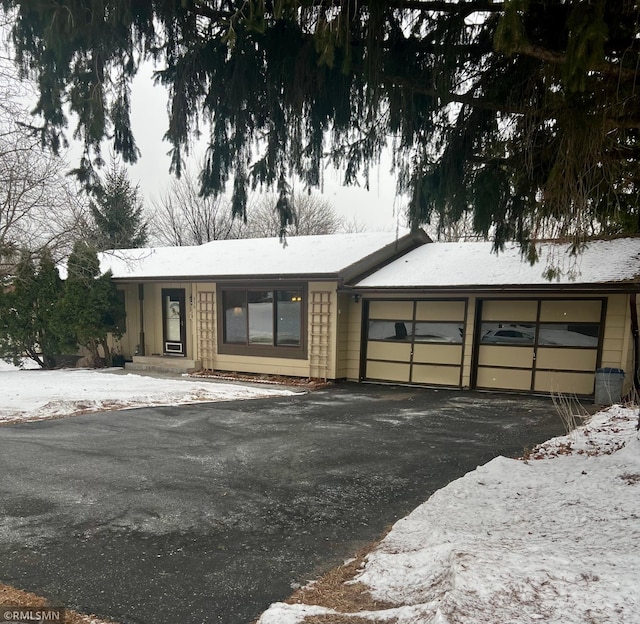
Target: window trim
297	352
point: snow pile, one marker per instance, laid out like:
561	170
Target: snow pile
38	394
553	538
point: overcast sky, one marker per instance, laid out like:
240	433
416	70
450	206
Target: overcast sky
149	119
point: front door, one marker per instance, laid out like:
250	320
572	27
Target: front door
173	321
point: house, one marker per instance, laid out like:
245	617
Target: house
250	305
385	308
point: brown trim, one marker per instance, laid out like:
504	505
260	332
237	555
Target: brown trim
293	352
468	290
364	330
382	257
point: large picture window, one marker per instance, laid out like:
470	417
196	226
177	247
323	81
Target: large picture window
265	321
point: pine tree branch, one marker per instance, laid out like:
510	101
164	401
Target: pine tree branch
558	58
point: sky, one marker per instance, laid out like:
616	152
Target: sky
378	208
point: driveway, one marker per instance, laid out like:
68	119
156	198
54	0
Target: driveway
209	513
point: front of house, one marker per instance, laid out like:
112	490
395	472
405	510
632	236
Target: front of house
382	308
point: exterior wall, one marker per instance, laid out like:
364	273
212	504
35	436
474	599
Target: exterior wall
467	356
322	329
127	344
348	341
617	350
334	332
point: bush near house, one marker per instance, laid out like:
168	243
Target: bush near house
42	317
90	307
28	312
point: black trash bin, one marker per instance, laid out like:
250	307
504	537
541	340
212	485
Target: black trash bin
609	383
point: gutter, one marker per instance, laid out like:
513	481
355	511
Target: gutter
622	287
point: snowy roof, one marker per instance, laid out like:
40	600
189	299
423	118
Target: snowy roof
257	257
440	265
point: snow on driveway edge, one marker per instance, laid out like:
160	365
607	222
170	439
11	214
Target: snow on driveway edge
549	539
27	395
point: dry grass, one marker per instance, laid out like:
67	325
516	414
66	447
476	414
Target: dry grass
19	598
334	591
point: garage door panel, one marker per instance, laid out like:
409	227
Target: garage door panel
436	375
564	382
388	371
396	351
440	310
576	310
567	359
516	357
392	310
414	341
504	378
553	342
509	310
437	354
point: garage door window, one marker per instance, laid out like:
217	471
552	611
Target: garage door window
569	334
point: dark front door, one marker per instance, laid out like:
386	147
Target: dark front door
173	322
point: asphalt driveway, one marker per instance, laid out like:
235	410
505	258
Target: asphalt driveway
209	513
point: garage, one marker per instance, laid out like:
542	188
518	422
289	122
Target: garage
414	341
538	345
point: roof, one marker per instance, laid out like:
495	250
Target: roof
440	265
303	256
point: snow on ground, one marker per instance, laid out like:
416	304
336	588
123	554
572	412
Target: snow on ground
553	538
39	394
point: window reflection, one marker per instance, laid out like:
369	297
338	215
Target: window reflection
235	316
549	334
289	317
263	317
407	331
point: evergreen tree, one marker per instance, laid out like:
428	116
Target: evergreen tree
91	307
117	212
521	113
28	313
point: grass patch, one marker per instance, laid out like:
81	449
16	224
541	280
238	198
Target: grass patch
16	597
336	590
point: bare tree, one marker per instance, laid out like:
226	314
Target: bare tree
181	216
40	207
352	226
452	231
313	215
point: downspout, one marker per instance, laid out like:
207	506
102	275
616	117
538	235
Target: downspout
141	337
636	339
